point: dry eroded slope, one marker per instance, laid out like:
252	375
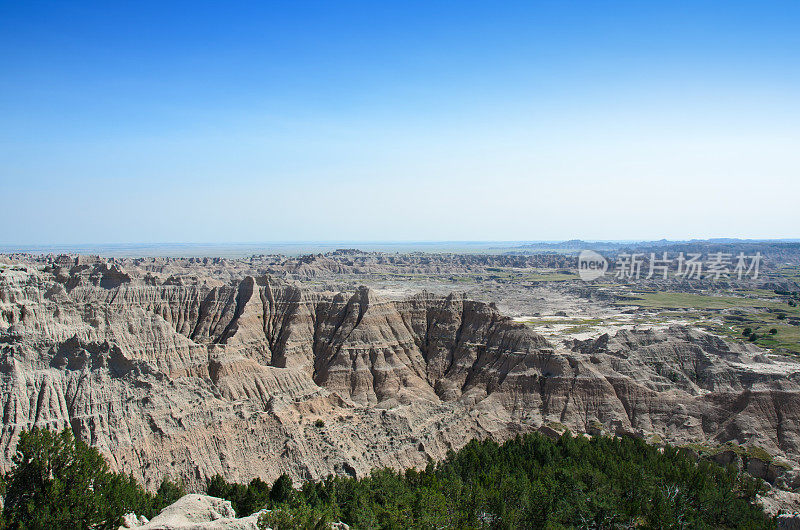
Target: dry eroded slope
197	378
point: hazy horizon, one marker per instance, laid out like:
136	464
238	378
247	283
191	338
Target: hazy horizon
296	248
420	121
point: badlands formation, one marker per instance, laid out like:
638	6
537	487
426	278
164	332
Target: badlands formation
190	368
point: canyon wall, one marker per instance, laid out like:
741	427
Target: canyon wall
252	376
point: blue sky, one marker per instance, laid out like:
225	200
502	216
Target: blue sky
126	122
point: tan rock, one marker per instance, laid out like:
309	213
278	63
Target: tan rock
224	374
196	512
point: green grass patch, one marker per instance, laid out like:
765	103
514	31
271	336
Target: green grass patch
668	300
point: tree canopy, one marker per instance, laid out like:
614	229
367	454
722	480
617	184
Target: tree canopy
534	482
528	482
60	482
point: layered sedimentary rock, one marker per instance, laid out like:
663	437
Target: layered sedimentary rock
254	377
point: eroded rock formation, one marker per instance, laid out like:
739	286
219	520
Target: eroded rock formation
254	377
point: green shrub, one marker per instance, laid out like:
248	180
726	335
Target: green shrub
245	500
301	516
60	482
283	490
168	492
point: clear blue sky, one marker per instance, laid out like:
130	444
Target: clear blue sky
229	121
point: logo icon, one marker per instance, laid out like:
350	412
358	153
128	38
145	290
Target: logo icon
591	265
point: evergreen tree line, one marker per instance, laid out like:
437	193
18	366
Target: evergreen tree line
59	482
528	482
535	482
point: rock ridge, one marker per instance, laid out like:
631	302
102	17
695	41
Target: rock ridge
255	376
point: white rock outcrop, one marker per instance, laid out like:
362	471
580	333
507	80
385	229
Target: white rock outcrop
195	512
